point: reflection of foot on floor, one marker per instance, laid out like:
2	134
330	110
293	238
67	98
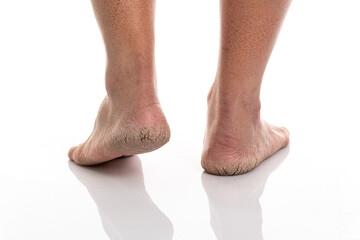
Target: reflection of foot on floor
126	209
234	201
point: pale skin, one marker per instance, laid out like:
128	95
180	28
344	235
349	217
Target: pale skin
130	119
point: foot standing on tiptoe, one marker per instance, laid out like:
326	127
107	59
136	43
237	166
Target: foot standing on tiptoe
130	120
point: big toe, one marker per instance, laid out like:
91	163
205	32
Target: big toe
74	153
285	135
71	153
285	131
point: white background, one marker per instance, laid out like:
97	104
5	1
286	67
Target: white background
52	82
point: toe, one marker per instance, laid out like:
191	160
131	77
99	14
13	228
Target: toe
71	153
75	154
280	136
285	131
285	135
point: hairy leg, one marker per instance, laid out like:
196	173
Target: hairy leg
130	120
236	138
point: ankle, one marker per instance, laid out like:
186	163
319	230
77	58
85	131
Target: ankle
230	103
130	66
133	80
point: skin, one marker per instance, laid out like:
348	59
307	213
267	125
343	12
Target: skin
236	138
130	120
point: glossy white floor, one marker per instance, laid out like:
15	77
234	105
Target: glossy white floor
52	83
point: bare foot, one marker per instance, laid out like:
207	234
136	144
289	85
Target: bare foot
236	139
130	121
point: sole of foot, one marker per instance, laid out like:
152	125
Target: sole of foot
122	132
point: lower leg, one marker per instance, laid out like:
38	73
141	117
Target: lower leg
130	120
236	139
